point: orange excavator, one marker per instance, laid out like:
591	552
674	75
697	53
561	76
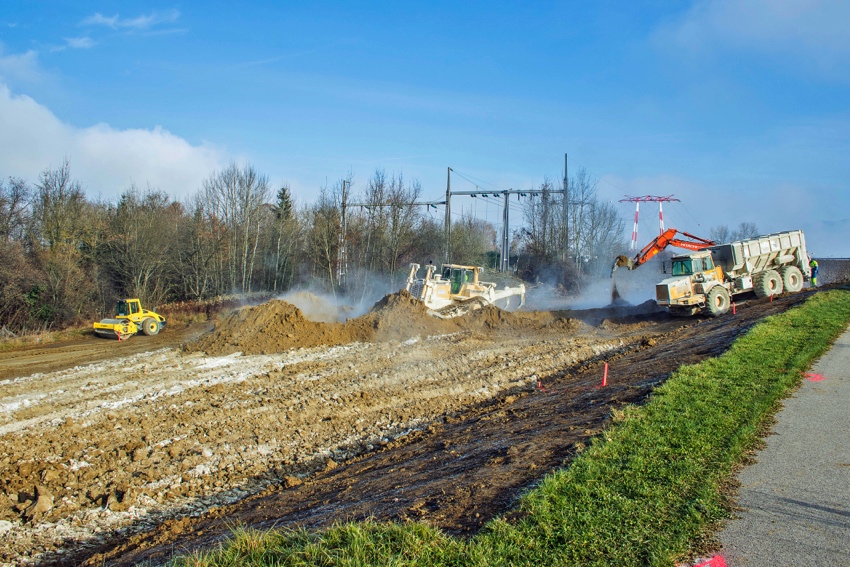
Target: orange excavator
659	243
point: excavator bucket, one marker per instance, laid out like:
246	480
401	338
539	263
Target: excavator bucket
622	262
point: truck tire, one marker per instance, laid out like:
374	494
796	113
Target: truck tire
150	326
767	283
717	302
792	278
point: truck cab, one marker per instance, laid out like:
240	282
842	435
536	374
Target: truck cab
693	277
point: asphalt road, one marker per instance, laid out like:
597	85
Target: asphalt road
796	498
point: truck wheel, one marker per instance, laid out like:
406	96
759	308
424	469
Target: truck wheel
767	283
792	278
150	326
717	302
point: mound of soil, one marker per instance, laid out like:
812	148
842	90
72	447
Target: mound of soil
268	328
399	316
277	326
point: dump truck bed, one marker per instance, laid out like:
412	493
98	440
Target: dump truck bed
753	255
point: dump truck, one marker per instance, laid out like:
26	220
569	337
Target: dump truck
456	289
130	318
707	279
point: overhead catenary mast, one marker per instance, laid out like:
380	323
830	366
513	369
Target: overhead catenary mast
647	199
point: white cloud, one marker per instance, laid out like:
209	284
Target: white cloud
20	67
137	23
80	42
105	160
811	31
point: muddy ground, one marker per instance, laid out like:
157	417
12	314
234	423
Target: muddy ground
116	454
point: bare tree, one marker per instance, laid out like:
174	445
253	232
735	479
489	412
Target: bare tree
235	197
142	243
14	208
61	232
402	219
58	207
604	235
543	222
323	237
745	230
720	234
196	251
582	196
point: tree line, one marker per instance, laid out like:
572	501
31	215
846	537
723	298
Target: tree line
65	259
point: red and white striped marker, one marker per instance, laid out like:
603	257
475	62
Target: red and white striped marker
635	229
660	218
605	376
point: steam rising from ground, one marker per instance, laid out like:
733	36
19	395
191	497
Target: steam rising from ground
634	287
323	307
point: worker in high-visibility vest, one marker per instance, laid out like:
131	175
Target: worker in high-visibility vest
813	264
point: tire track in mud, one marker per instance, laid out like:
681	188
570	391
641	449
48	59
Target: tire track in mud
483	433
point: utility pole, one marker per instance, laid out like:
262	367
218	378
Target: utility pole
565	237
447	229
505	238
341	259
506	244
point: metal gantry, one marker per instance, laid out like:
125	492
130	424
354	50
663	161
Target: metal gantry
504	252
505	238
647	199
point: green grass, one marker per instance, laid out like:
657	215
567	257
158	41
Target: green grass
642	494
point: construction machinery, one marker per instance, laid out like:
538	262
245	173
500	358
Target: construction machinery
659	243
456	290
130	318
707	279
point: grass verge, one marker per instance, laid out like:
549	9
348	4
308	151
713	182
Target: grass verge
640	495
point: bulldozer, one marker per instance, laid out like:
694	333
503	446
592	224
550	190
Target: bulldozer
129	319
456	290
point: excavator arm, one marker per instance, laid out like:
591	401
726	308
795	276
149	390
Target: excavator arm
659	243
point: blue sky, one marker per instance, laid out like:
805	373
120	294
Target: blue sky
738	108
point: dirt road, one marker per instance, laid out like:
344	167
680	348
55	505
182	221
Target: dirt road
133	457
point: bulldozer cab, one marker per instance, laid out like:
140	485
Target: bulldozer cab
127	307
458	276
